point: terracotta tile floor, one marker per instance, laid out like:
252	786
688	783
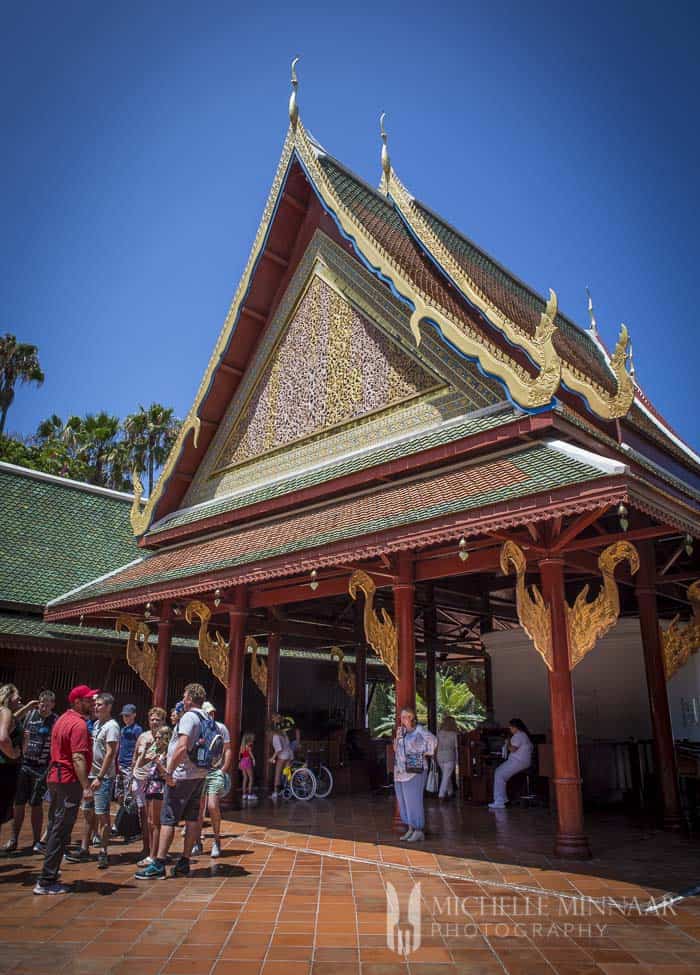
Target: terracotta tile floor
301	889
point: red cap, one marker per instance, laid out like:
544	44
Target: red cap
82	690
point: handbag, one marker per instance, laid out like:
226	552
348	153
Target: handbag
414	761
127	822
432	785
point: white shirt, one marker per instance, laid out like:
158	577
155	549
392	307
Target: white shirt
281	746
523	756
447	746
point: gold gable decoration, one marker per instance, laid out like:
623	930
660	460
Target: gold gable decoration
330	367
586	622
539	347
141	655
214	653
346	677
258	667
380	633
679	642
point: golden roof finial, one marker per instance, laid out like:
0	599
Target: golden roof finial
293	106
591	315
386	162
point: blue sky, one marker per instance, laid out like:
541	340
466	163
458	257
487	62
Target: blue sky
140	141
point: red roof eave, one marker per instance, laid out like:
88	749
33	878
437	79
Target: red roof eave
505	515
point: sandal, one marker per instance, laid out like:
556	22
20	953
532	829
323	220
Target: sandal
10	846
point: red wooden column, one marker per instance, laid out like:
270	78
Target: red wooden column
404	591
238	617
165	635
272	698
360	717
664	750
430	633
571	840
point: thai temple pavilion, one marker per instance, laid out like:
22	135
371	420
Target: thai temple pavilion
390	417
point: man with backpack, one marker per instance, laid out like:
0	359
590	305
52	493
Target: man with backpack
195	748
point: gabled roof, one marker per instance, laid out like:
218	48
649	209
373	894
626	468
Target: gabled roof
56	534
450	287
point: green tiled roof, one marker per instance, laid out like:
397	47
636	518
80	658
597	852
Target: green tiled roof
12	624
436	437
544	467
56	535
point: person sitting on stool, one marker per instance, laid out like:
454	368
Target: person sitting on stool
519	759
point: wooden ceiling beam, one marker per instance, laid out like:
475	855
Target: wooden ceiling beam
576	527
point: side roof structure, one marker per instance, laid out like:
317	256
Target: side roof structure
56	534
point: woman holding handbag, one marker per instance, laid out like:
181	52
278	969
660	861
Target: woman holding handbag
413	747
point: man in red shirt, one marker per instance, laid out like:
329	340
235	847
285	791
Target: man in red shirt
71	756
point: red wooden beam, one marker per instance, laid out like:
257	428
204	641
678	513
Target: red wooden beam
633	535
576	527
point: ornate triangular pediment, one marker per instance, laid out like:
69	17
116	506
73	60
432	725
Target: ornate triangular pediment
335	371
331	367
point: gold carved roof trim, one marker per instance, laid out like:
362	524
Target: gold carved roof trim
539	347
528	391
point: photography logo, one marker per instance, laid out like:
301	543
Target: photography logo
403	936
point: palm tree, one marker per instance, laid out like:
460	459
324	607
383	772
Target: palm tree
19	363
98	436
150	434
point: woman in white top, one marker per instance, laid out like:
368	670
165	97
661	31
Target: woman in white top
282	751
413	745
519	759
447	754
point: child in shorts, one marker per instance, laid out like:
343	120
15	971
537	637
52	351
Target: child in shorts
246	764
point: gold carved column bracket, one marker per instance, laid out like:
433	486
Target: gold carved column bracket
679	642
533	614
214	653
586	621
141	655
258	667
346	677
380	633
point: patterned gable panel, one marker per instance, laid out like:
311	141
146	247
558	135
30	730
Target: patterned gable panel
331	366
336	371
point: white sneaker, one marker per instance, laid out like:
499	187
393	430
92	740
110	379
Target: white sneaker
215	851
407	834
416	836
197	850
497	805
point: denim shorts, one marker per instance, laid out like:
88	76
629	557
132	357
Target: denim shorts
103	797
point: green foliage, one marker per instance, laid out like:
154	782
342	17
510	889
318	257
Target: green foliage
454	699
149	436
19	363
97	448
